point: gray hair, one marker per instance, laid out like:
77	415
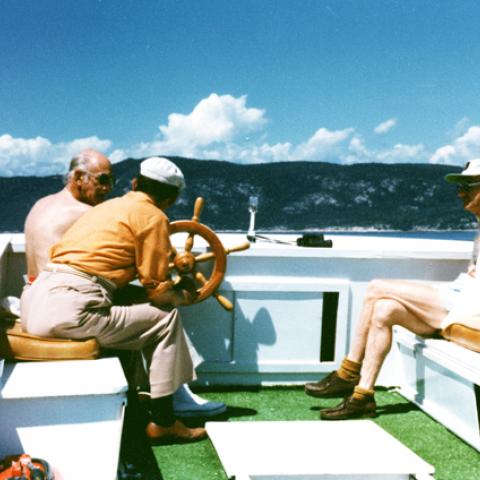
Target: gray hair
80	162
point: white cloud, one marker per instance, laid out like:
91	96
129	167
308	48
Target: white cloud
465	147
403	154
219	127
216	119
399	153
39	156
357	152
223	127
263	153
22	146
118	155
215	128
385	126
323	145
444	155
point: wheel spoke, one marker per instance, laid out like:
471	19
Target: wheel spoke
197	209
189	242
238	248
223	301
203	257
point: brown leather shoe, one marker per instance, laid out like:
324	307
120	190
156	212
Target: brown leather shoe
331	386
177	433
351	408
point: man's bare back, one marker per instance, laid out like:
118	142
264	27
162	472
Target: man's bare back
47	221
89	180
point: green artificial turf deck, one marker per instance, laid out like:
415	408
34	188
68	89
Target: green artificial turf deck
452	459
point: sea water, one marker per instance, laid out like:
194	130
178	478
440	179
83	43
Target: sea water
465	235
427	234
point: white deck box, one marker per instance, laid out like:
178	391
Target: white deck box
313	450
69	413
443	379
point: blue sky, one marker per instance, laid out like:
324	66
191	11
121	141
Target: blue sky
248	81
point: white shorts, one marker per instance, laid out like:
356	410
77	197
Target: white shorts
451	292
462	300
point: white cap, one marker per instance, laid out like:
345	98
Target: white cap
469	173
162	170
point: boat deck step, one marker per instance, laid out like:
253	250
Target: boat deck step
69	413
314	450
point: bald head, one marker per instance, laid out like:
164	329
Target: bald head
87	159
90	178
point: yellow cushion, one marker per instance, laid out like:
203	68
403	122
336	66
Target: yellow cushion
465	336
18	345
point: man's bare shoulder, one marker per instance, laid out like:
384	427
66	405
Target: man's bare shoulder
62	201
58	211
47	221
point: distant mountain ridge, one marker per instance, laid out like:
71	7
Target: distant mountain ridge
292	195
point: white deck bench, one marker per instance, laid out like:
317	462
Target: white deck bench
69	413
443	379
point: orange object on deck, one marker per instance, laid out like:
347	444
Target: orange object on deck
25	467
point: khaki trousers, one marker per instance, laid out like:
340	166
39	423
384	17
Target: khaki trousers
67	305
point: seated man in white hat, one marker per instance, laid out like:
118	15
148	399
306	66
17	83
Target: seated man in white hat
88	182
106	248
421	308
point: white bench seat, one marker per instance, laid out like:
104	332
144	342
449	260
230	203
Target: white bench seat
69	413
443	379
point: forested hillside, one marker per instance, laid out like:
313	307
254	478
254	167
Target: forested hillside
292	195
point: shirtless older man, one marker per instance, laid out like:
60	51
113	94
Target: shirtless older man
421	308
89	181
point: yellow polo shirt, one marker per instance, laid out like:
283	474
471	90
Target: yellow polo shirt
119	239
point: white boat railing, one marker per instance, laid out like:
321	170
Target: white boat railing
295	308
295	312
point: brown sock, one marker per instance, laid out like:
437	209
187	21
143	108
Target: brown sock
349	370
362	394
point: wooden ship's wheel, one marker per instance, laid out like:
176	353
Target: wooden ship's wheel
185	262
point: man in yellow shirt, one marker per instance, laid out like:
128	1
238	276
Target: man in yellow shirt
106	248
88	182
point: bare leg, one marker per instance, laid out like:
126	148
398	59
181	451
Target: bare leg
414	306
420	300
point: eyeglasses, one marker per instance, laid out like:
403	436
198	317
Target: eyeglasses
104	179
467	187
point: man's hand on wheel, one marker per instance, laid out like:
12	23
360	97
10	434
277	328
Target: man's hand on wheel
186	290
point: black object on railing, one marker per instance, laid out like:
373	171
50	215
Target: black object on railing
314	240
